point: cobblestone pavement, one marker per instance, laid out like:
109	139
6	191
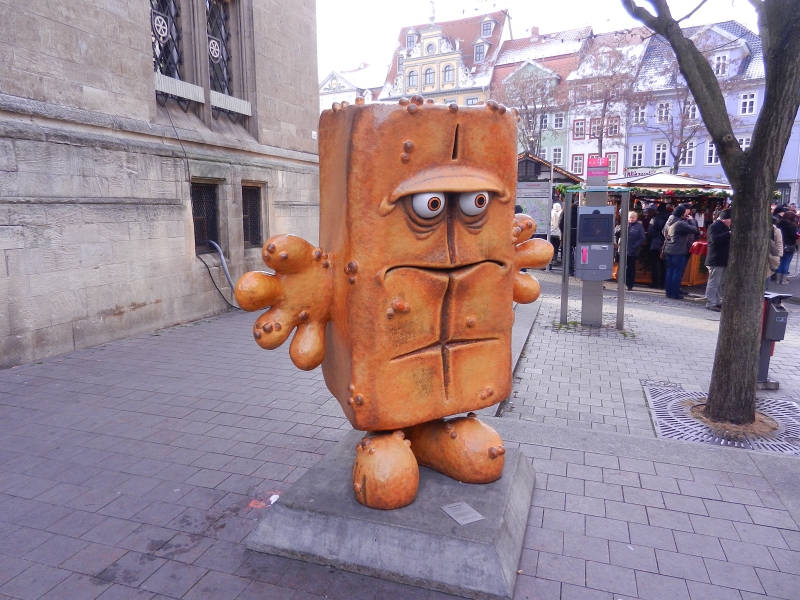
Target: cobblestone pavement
591	378
136	469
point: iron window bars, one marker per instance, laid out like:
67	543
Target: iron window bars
219	51
167	55
204	215
251	216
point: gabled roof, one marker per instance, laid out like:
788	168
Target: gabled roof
465	30
549	165
543	46
629	45
656	73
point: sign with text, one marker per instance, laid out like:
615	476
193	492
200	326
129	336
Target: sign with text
534	197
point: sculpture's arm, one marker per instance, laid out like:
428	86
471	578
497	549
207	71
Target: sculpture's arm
530	254
298	295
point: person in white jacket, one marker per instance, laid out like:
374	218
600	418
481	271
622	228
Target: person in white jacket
555	232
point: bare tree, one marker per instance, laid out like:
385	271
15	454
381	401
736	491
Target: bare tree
605	83
752	174
533	90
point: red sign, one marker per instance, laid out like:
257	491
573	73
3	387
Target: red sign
596	161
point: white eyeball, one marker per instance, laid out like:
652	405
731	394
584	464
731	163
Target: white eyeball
428	205
473	203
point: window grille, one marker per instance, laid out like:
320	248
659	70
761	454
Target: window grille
204	215
166	38
219	37
251	216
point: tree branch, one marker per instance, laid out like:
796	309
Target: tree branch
696	8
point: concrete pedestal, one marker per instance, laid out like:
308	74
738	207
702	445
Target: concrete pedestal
318	520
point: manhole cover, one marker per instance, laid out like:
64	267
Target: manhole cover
670	405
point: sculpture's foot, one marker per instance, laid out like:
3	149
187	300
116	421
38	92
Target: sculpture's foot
385	474
463	448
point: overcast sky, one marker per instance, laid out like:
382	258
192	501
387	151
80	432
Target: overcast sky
353	31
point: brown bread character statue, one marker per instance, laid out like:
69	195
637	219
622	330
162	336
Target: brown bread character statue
407	303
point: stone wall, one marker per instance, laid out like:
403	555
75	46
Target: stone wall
96	230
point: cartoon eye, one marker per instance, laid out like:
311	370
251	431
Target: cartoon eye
473	203
428	205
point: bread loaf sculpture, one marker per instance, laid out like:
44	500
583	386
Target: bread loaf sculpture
407	303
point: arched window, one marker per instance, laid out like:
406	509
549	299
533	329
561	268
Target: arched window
428	76
412	79
448	74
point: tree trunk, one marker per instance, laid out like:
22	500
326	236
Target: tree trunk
732	393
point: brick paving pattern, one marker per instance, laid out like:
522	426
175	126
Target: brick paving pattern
136	470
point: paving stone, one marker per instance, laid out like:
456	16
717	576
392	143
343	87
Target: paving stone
77	587
587	548
787	561
658	587
758	534
561	568
780	585
749	554
727	574
698	545
174	579
704	591
610	578
34	582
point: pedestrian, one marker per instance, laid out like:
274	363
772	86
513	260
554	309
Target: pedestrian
774	254
635	242
555	232
719	243
655	242
788	227
676	249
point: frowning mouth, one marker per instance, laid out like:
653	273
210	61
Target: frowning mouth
445	269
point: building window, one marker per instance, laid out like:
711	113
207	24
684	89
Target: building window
204	215
578	129
543	121
591	156
449	102
479	51
486	29
400	59
428	76
747	103
612	126
430	49
410	40
660	156
577	164
543	153
691	111
637	155
558	155
412	79
251	216
166	38
712	156
472	101
219	37
595	127
744	142
580	94
558	121
448	74
663	112
612	162
687	155
721	65
639	114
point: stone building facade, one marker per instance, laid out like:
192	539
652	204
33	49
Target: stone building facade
131	132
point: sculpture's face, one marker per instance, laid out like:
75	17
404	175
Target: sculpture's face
419	205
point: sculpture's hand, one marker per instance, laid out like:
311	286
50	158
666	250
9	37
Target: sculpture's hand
298	295
530	254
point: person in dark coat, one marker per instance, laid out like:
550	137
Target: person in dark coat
573	235
679	236
655	241
635	242
719	244
788	227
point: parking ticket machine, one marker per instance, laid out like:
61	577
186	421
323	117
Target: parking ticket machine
594	250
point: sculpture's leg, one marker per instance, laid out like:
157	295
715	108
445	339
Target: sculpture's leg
463	448
385	473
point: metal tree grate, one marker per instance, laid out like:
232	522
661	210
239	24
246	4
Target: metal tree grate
670	407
